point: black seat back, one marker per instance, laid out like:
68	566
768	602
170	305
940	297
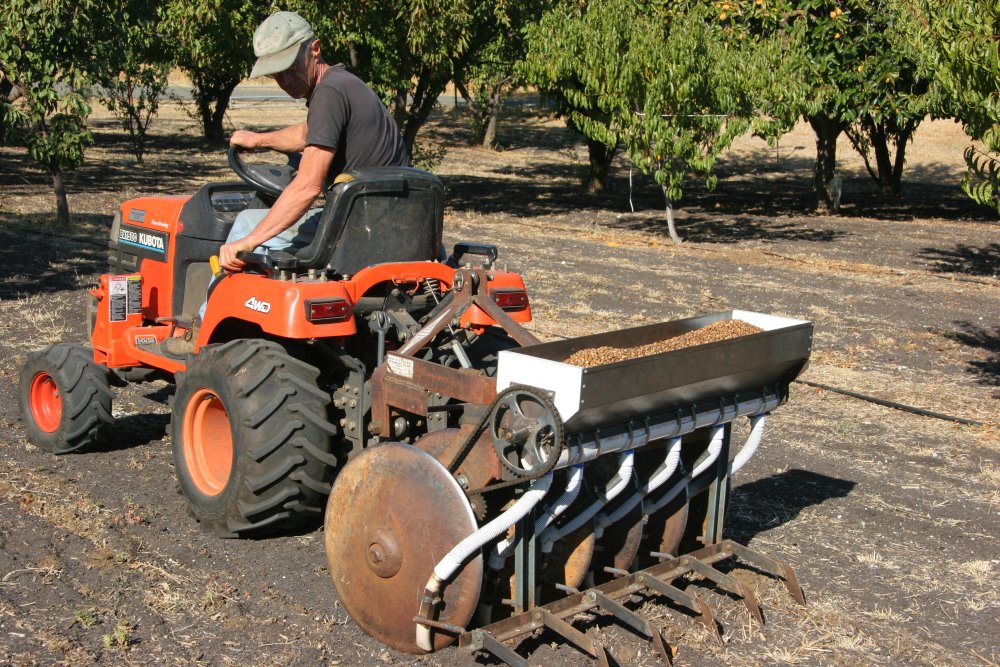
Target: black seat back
385	214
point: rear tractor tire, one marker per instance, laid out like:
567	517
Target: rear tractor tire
65	398
252	442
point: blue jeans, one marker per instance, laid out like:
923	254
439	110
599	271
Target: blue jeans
294	238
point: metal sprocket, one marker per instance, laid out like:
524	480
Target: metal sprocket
526	430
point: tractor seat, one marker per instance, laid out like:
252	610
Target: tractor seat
382	214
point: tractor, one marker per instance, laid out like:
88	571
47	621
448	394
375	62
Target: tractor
476	484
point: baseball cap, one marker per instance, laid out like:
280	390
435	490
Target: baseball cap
276	42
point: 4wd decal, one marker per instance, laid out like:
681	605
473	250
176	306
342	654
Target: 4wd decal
153	241
253	303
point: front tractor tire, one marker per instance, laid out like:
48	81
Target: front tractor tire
251	439
65	398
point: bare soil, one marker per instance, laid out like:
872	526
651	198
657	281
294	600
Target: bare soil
890	518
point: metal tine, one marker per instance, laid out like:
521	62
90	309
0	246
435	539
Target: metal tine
486	642
727	583
772	566
662	647
636	622
570	634
691	602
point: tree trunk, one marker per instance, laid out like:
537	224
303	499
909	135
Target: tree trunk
424	99
883	163
493	114
213	102
601	156
887	171
827	130
671	226
478	119
216	134
897	168
62	204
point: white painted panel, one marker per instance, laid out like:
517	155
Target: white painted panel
563	379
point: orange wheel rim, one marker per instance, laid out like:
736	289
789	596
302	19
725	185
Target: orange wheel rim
46	403
208	442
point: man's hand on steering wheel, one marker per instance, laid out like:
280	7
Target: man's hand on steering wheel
227	254
245	139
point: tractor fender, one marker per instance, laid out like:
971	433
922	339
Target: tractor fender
279	307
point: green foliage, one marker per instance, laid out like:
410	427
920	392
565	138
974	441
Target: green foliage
861	76
487	81
87	617
132	69
213	43
119	638
42	46
671	80
963	55
407	51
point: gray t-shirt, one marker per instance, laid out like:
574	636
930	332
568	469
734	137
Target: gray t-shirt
347	116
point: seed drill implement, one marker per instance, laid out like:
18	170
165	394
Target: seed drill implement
477	485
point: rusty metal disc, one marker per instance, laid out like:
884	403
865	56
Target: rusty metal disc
394	511
571	557
619	545
664	530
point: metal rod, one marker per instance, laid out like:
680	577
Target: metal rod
438	625
484	641
892	404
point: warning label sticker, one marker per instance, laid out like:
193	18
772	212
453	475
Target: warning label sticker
124	297
400	365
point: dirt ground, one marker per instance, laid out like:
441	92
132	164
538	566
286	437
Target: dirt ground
889	518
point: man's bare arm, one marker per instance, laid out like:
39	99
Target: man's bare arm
296	199
285	140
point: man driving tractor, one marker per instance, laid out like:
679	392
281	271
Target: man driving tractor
347	127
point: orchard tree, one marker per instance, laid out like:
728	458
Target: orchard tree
487	81
131	72
562	87
964	36
666	79
41	47
408	51
860	76
213	43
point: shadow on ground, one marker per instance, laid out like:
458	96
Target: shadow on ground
772	501
58	258
983	261
986	370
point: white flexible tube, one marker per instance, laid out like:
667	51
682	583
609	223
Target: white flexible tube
752	443
501	552
626	461
454	559
714	447
665	472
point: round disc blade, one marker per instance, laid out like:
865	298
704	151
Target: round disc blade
393	513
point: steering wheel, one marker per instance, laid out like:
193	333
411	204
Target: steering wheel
270	180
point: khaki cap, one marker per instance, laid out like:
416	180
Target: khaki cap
276	42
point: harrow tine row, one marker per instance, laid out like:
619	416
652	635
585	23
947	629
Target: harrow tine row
655	580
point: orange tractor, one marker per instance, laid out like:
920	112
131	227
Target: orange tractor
479	486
